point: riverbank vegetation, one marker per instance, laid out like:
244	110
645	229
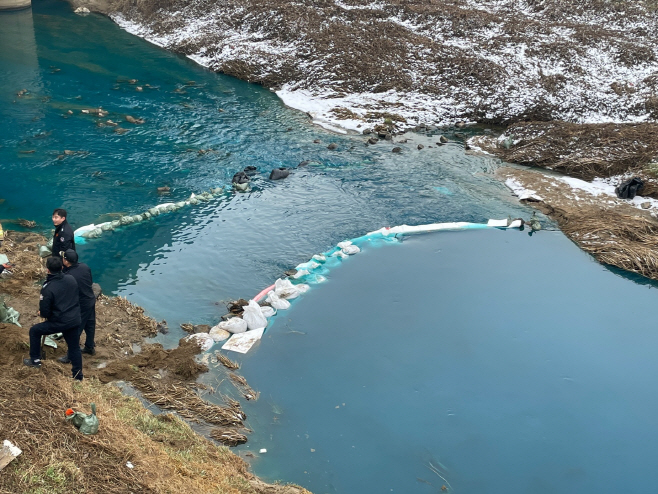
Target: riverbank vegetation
135	450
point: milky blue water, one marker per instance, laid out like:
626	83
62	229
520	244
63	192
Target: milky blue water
503	361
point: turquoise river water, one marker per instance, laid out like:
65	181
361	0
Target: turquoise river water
485	361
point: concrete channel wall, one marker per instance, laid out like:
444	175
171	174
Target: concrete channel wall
15	4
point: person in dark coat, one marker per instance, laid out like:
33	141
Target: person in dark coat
63	238
59	305
82	274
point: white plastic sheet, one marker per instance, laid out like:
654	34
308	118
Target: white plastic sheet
243	342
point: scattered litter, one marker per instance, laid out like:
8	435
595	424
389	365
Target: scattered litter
630	188
262	451
86	424
8	453
130	465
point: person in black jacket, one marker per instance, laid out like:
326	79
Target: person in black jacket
82	274
63	238
59	305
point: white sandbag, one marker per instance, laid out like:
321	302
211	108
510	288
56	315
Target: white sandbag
340	253
277	302
300	273
342	245
350	250
319	257
219	334
253	316
83	229
267	310
285	289
204	340
309	266
164	207
95	233
302	287
315	278
497	223
233	325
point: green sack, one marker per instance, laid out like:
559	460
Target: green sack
87	424
44	251
8	314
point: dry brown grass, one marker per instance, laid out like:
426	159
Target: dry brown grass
242	385
167	456
628	242
226	362
582	151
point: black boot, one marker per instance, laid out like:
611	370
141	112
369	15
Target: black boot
88	351
64	360
31	363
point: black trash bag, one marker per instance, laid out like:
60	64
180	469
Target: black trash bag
279	173
630	188
240	178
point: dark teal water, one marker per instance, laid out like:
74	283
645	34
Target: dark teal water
509	363
419	328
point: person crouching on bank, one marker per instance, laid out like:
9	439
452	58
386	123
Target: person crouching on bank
59	305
